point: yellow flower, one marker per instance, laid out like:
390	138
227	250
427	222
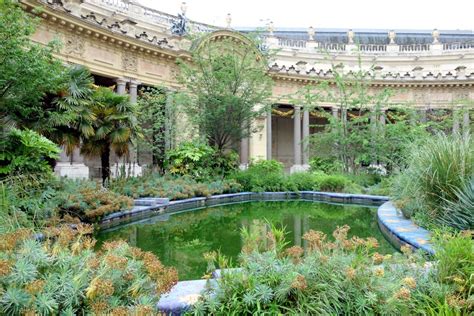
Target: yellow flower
377	258
406	250
350	273
5	267
410	282
34	287
379	272
299	283
403	294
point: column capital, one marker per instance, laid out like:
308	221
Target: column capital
121	80
134	83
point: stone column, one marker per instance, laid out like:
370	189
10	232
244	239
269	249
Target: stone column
306	139
455	121
133	86
382	118
423	117
244	153
466	122
121	83
269	134
335	112
297	140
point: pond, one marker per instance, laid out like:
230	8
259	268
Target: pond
180	239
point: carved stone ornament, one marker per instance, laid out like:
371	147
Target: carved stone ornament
391	37
74	45
129	62
350	37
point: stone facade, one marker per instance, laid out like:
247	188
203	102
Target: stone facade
133	45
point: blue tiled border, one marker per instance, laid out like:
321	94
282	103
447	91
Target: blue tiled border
402	231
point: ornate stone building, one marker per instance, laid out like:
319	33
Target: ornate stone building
128	45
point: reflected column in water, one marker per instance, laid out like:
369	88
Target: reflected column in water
297	230
133	237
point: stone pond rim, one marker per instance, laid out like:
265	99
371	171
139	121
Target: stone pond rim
397	229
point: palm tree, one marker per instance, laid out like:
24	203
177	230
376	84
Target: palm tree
75	118
115	128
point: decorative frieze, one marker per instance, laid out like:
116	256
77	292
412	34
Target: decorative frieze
74	45
129	61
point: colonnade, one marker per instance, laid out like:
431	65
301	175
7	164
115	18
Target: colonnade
301	133
132	88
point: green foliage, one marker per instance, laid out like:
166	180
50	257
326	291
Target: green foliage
36	200
262	175
326	165
330	183
24	152
440	168
152	105
268	175
27	70
88	201
115	127
460	213
338	276
155	185
62	275
200	161
455	261
224	87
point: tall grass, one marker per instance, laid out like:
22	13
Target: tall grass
438	170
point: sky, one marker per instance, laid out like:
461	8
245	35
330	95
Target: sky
345	14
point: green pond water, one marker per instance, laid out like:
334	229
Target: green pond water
180	239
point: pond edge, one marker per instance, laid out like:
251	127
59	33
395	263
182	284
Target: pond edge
393	225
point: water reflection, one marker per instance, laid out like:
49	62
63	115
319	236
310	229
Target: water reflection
181	239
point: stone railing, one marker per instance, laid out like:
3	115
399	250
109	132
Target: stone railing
414	48
458	46
379	49
373	48
288	42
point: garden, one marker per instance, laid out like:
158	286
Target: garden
55	260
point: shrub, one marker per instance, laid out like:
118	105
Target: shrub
330	276
200	161
88	201
331	183
263	175
460	214
32	201
439	168
25	152
63	275
303	181
326	165
155	185
454	255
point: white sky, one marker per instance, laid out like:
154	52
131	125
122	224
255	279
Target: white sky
355	14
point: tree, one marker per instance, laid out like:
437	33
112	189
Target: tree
357	137
71	119
28	71
115	128
153	116
226	88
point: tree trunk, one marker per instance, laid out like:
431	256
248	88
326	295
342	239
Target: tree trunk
105	162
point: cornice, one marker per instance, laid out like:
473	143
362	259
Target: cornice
73	24
302	79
